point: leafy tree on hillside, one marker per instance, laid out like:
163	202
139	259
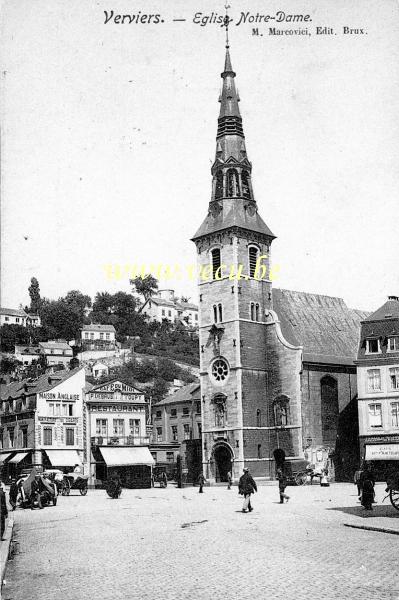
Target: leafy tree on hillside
12	335
63	319
145	286
34	293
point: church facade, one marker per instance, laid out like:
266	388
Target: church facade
276	366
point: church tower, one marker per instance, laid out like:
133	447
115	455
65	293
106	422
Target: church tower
235	299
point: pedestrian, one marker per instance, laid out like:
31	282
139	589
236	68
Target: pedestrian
3	512
13	494
229	480
201	481
246	487
357	480
368	483
164	479
35	493
282	484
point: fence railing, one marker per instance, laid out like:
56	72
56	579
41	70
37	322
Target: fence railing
117	440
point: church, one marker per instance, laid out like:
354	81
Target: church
277	369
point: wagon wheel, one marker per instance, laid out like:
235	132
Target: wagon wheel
83	490
300	478
394	497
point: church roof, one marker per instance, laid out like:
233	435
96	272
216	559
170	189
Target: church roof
233	214
389	310
327	329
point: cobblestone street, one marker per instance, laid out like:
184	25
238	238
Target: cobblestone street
172	544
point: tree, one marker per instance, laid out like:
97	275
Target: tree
158	390
77	299
62	319
145	286
34	293
12	335
8	364
73	363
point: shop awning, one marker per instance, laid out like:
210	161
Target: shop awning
382	452
18	457
3	457
118	457
63	458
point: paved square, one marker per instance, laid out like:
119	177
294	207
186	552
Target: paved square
176	543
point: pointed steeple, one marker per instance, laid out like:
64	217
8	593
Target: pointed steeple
232	204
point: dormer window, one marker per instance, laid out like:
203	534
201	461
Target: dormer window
373	346
393	344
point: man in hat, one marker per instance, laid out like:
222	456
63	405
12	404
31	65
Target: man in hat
246	487
3	511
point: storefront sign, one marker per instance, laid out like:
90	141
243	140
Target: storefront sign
115	408
116	386
382	452
58	396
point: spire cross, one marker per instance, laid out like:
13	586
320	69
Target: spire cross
226	22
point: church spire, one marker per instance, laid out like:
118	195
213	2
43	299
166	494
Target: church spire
232	203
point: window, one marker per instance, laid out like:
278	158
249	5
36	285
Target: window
101	336
158	414
51	409
169	313
24	432
199	425
174	433
64	410
215	314
252	311
6	318
169	457
70	436
198	407
163	312
245	185
232	189
134	426
375	415
395	414
220	370
92	336
11	436
394	378
258	418
159	434
252	258
107	336
173	412
393	344
216	262
186	430
220	313
119	427
58	410
17	319
196	316
373	380
47	436
219	185
102	427
86	335
186	410
70	410
373	346
256	312
259	450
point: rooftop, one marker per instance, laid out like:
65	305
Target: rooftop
188	393
98	327
389	310
44	383
13	312
327	329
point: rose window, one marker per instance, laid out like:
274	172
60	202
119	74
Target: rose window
220	370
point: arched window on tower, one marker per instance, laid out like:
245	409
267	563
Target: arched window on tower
219	185
246	192
256	312
281	410
220	311
232	189
258	418
252	311
215	313
252	259
216	262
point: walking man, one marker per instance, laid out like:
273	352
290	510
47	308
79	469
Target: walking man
246	487
229	480
282	484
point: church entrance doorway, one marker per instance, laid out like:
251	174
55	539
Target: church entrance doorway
222	458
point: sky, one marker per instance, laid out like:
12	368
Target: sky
108	136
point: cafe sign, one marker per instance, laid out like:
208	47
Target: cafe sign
382	452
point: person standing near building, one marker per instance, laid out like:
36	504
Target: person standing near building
357	480
282	484
3	511
201	482
13	494
368	483
246	487
229	480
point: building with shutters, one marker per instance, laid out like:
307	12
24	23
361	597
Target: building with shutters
41	422
378	386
